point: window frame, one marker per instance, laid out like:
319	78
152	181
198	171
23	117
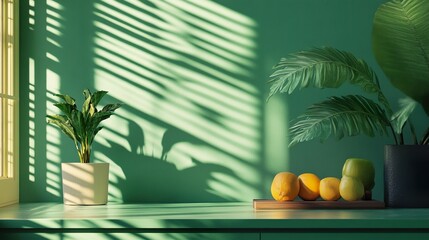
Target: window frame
9	179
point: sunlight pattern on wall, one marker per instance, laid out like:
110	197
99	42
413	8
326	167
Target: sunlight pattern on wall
43	140
31	123
182	70
31	98
53	85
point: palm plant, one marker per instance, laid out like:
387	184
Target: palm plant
82	126
401	47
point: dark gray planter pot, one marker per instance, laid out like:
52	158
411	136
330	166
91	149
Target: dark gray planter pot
406	176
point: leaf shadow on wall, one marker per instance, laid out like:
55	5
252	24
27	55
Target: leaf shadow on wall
185	72
153	179
191	100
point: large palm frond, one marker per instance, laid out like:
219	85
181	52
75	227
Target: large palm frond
339	117
401	46
325	67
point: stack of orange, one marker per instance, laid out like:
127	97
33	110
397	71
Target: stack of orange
286	186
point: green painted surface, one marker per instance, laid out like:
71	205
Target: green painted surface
335	235
192	76
232	215
134	236
206	221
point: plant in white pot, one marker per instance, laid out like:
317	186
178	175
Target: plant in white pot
84	183
401	47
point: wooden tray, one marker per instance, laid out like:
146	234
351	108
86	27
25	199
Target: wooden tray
261	204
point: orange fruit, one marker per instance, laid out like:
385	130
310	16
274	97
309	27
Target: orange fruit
308	186
330	189
285	186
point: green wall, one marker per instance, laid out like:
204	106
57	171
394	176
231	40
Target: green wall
192	77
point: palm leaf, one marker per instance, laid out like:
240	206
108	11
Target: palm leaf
400	41
324	68
339	117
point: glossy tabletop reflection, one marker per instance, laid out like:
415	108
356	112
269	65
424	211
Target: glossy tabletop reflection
203	215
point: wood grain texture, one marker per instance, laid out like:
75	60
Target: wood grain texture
273	204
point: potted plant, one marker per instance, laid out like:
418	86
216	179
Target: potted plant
401	46
400	42
84	183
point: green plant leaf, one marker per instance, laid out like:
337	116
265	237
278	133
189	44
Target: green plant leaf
86	93
79	126
400	40
92	125
66	99
111	107
399	118
98	118
94	133
97	96
324	68
339	117
86	106
321	68
92	110
66	108
82	126
62	122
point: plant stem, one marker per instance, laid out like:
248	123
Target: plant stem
401	138
394	134
425	138
413	132
79	152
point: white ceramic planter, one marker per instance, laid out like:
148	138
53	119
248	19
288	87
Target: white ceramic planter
85	183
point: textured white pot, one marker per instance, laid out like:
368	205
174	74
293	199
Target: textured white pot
85	183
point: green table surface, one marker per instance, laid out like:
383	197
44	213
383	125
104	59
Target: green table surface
204	216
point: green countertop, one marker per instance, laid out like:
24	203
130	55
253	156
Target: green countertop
204	216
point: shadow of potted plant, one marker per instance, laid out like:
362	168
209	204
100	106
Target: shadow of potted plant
401	45
84	183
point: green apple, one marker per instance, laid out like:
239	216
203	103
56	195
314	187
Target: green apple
361	169
351	189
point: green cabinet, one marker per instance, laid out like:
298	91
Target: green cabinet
109	234
226	221
347	234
